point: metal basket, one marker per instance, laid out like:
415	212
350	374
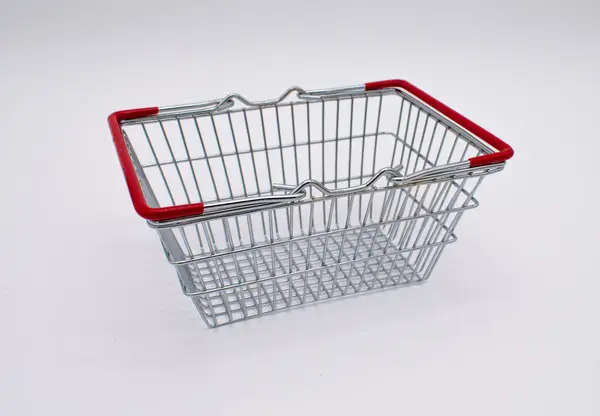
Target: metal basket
262	206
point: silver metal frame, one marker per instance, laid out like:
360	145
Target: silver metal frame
314	231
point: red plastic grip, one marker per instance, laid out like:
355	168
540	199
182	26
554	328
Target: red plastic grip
135	189
504	152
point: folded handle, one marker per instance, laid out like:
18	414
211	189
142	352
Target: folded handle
389	173
504	152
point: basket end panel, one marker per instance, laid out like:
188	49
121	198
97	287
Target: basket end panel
504	150
135	190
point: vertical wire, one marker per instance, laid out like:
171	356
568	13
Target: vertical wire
323	150
377	135
337	154
412	141
327	230
308	265
239	274
385	209
264	136
431	139
384	216
404	244
254	165
344	235
160	167
397	137
362	152
280	143
272	241
297	162
350	144
453	148
337	140
277	120
194	174
267	157
398	211
185	191
421	143
225	169
352	263
310	192
239	161
187	153
410	224
350	139
370	252
387	192
210	171
404	140
218	279
218	141
443	142
207	158
291	230
252	153
377	140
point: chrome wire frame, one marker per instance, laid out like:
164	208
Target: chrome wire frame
325	194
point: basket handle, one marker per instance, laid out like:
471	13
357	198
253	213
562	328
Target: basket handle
504	152
389	173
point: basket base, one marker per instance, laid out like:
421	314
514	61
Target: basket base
237	316
353	271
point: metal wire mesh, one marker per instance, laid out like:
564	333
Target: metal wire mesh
243	264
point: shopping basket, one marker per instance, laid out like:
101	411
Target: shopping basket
267	205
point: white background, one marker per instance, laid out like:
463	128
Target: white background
92	319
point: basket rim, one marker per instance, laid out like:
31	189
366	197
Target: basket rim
503	153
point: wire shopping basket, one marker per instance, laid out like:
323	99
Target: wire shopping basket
262	206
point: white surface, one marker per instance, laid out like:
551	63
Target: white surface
92	318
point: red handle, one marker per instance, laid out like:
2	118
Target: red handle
504	152
135	189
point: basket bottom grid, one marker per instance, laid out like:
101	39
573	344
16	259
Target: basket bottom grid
367	262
